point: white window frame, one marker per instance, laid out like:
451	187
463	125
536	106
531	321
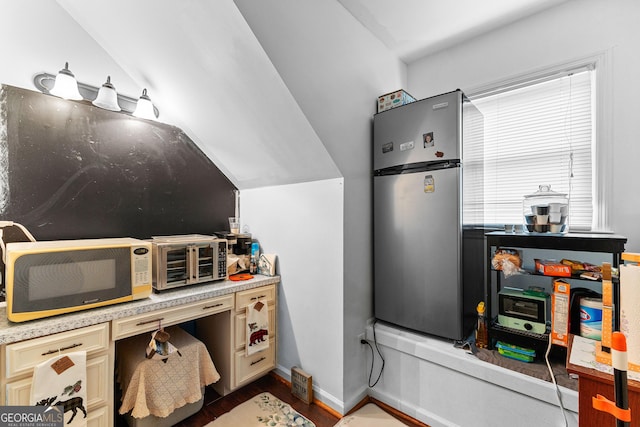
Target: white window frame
603	130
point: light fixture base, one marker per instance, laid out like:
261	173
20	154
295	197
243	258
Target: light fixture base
44	83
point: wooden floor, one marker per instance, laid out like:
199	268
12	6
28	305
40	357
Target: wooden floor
214	405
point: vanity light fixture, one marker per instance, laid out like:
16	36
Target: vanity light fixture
144	108
47	83
107	97
66	85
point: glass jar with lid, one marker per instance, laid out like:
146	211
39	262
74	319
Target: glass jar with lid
545	211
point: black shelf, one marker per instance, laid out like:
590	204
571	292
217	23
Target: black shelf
537	342
587	242
572	277
609	244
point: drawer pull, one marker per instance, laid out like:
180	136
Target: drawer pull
149	321
61	349
261	296
206	307
257	361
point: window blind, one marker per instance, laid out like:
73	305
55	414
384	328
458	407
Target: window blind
536	133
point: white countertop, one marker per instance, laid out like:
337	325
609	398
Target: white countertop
13	332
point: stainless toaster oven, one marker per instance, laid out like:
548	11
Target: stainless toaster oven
184	260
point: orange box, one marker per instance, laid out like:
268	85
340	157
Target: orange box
552	268
560	301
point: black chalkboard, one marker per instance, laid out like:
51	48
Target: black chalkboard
70	170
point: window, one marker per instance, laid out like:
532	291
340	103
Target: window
536	132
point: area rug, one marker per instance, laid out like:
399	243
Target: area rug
262	410
370	415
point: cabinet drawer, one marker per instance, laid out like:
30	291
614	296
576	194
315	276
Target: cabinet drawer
134	325
251	367
19	392
241	327
21	357
245	298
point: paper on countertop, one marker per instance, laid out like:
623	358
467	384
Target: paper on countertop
629	313
583	353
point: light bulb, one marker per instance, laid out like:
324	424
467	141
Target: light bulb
107	97
144	108
66	85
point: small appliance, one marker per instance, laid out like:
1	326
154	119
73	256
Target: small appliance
524	310
238	252
183	260
48	278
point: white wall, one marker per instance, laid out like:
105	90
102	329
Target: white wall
38	35
303	225
447	387
571	31
336	70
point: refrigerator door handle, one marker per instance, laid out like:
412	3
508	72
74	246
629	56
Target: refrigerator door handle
417	167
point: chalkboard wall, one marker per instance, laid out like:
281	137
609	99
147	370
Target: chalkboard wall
70	170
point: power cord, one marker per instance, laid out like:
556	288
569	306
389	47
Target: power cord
4	224
375	342
553	379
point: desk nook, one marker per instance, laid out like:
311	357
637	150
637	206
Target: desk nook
217	310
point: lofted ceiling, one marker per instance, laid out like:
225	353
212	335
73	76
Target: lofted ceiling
208	73
416	28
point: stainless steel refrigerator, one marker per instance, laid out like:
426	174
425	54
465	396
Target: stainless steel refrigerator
417	217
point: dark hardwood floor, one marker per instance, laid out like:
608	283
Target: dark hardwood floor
215	405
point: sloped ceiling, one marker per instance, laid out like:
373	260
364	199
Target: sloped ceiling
206	71
416	28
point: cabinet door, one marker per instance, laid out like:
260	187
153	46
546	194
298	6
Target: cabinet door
241	328
19	392
98	417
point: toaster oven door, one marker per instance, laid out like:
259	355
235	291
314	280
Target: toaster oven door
204	262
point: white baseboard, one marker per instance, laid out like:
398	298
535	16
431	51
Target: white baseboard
318	393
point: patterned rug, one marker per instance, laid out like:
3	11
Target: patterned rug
370	415
262	410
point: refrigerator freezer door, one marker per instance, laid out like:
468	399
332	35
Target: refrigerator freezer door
422	131
417	250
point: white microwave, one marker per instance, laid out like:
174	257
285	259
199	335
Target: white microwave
45	279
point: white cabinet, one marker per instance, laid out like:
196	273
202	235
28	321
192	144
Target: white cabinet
221	321
21	357
235	367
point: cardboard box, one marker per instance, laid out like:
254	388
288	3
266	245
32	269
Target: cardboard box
560	312
394	99
552	268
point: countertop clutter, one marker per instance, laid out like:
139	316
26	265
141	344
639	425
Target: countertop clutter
13	332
